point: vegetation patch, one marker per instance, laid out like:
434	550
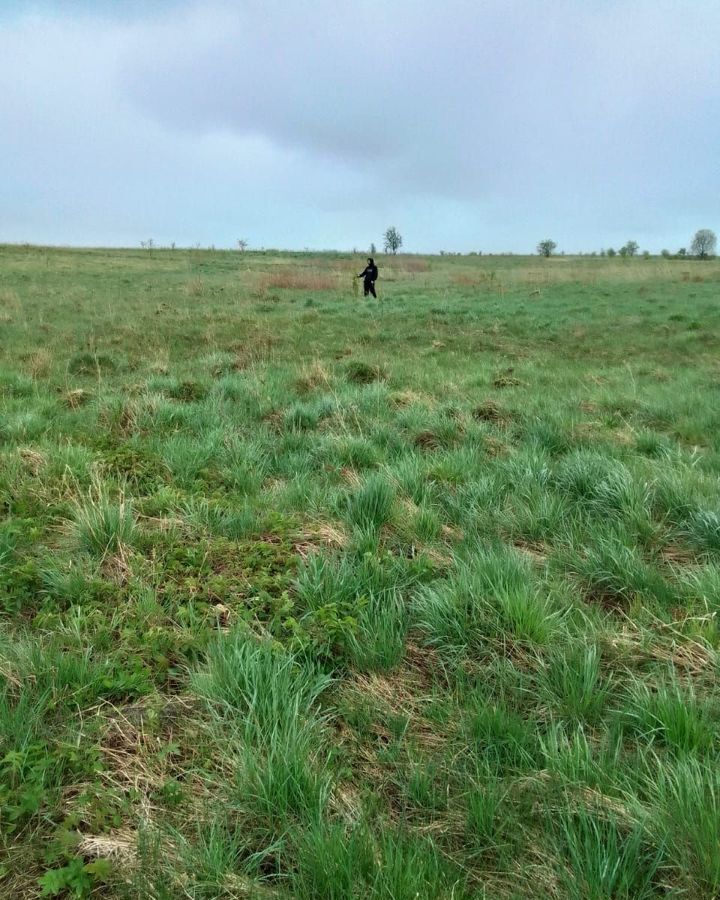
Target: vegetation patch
86	363
293	605
364	373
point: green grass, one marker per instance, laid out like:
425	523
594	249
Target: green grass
308	596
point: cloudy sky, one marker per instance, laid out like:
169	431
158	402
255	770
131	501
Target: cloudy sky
468	124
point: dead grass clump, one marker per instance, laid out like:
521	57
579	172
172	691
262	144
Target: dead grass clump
274	420
688	657
677	555
116	566
398	692
33	459
465	280
9	300
39	362
195	287
320	536
428	440
127	766
257	349
329	534
346	803
402	399
312	376
451	533
117	845
506	379
410	507
294	281
535	553
494	447
164	524
131	739
160	366
404	693
489	411
350	476
77	398
606	598
425	665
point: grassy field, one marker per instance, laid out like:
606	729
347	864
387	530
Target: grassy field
306	596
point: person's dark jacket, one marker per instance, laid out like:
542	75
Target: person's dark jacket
370	273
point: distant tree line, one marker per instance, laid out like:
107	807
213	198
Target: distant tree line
703	246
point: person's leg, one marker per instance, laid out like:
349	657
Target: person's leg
367	287
372	289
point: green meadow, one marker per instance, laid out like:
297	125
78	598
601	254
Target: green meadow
305	596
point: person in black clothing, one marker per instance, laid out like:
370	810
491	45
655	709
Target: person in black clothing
370	274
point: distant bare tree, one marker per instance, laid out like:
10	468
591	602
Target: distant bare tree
546	248
147	245
630	249
704	244
242	245
373	249
393	240
682	253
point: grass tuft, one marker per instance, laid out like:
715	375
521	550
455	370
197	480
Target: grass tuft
364	373
103	525
605	860
371	506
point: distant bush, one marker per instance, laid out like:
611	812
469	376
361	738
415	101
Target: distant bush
546	248
629	249
704	244
393	240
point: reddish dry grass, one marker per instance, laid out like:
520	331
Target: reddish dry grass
404	264
416	265
294	281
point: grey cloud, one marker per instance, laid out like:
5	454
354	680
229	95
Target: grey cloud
462	96
478	122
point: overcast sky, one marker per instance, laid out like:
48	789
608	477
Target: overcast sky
468	124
